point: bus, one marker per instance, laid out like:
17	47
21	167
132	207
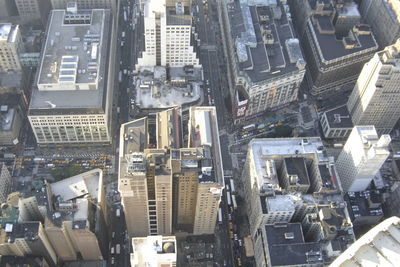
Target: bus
232	186
234	202
219	216
249	127
125	16
228	198
118	248
123	35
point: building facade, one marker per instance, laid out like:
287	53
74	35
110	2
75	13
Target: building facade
265	62
336	123
382	14
5	182
168	35
10	47
375	97
72	99
162	187
361	158
33	11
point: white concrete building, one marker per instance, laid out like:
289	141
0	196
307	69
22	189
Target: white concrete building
154	251
361	158
5	182
10	47
72	101
376	96
168	34
380	246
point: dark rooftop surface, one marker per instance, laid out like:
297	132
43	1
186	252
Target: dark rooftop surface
333	48
27	230
287	247
366	203
297	166
264	61
339	117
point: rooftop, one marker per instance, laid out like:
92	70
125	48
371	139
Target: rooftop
288	238
262	150
330	48
365	203
8	32
339	117
7	116
280	203
265	43
153	91
153	251
297	167
10	79
74	59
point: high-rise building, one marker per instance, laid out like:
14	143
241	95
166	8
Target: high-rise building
265	62
5	182
168	34
33	11
375	97
361	158
82	4
165	186
383	16
378	247
10	47
72	101
154	251
336	47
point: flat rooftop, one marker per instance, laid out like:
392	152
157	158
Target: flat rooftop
265	43
10	79
287	247
133	136
86	183
74	61
280	203
297	166
152	251
8	32
153	92
339	117
365	203
334	49
263	149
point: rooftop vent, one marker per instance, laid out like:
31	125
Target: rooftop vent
289	235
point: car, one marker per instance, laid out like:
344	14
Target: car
240	242
208	90
229	217
235	237
112	260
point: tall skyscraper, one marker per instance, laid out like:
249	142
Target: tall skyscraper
154	251
265	62
384	18
10	47
72	100
33	11
376	96
168	34
380	246
361	158
165	186
336	46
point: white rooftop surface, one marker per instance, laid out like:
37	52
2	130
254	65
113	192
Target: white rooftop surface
280	203
203	121
145	251
265	148
79	185
367	132
380	246
169	96
81	214
69	62
7	32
